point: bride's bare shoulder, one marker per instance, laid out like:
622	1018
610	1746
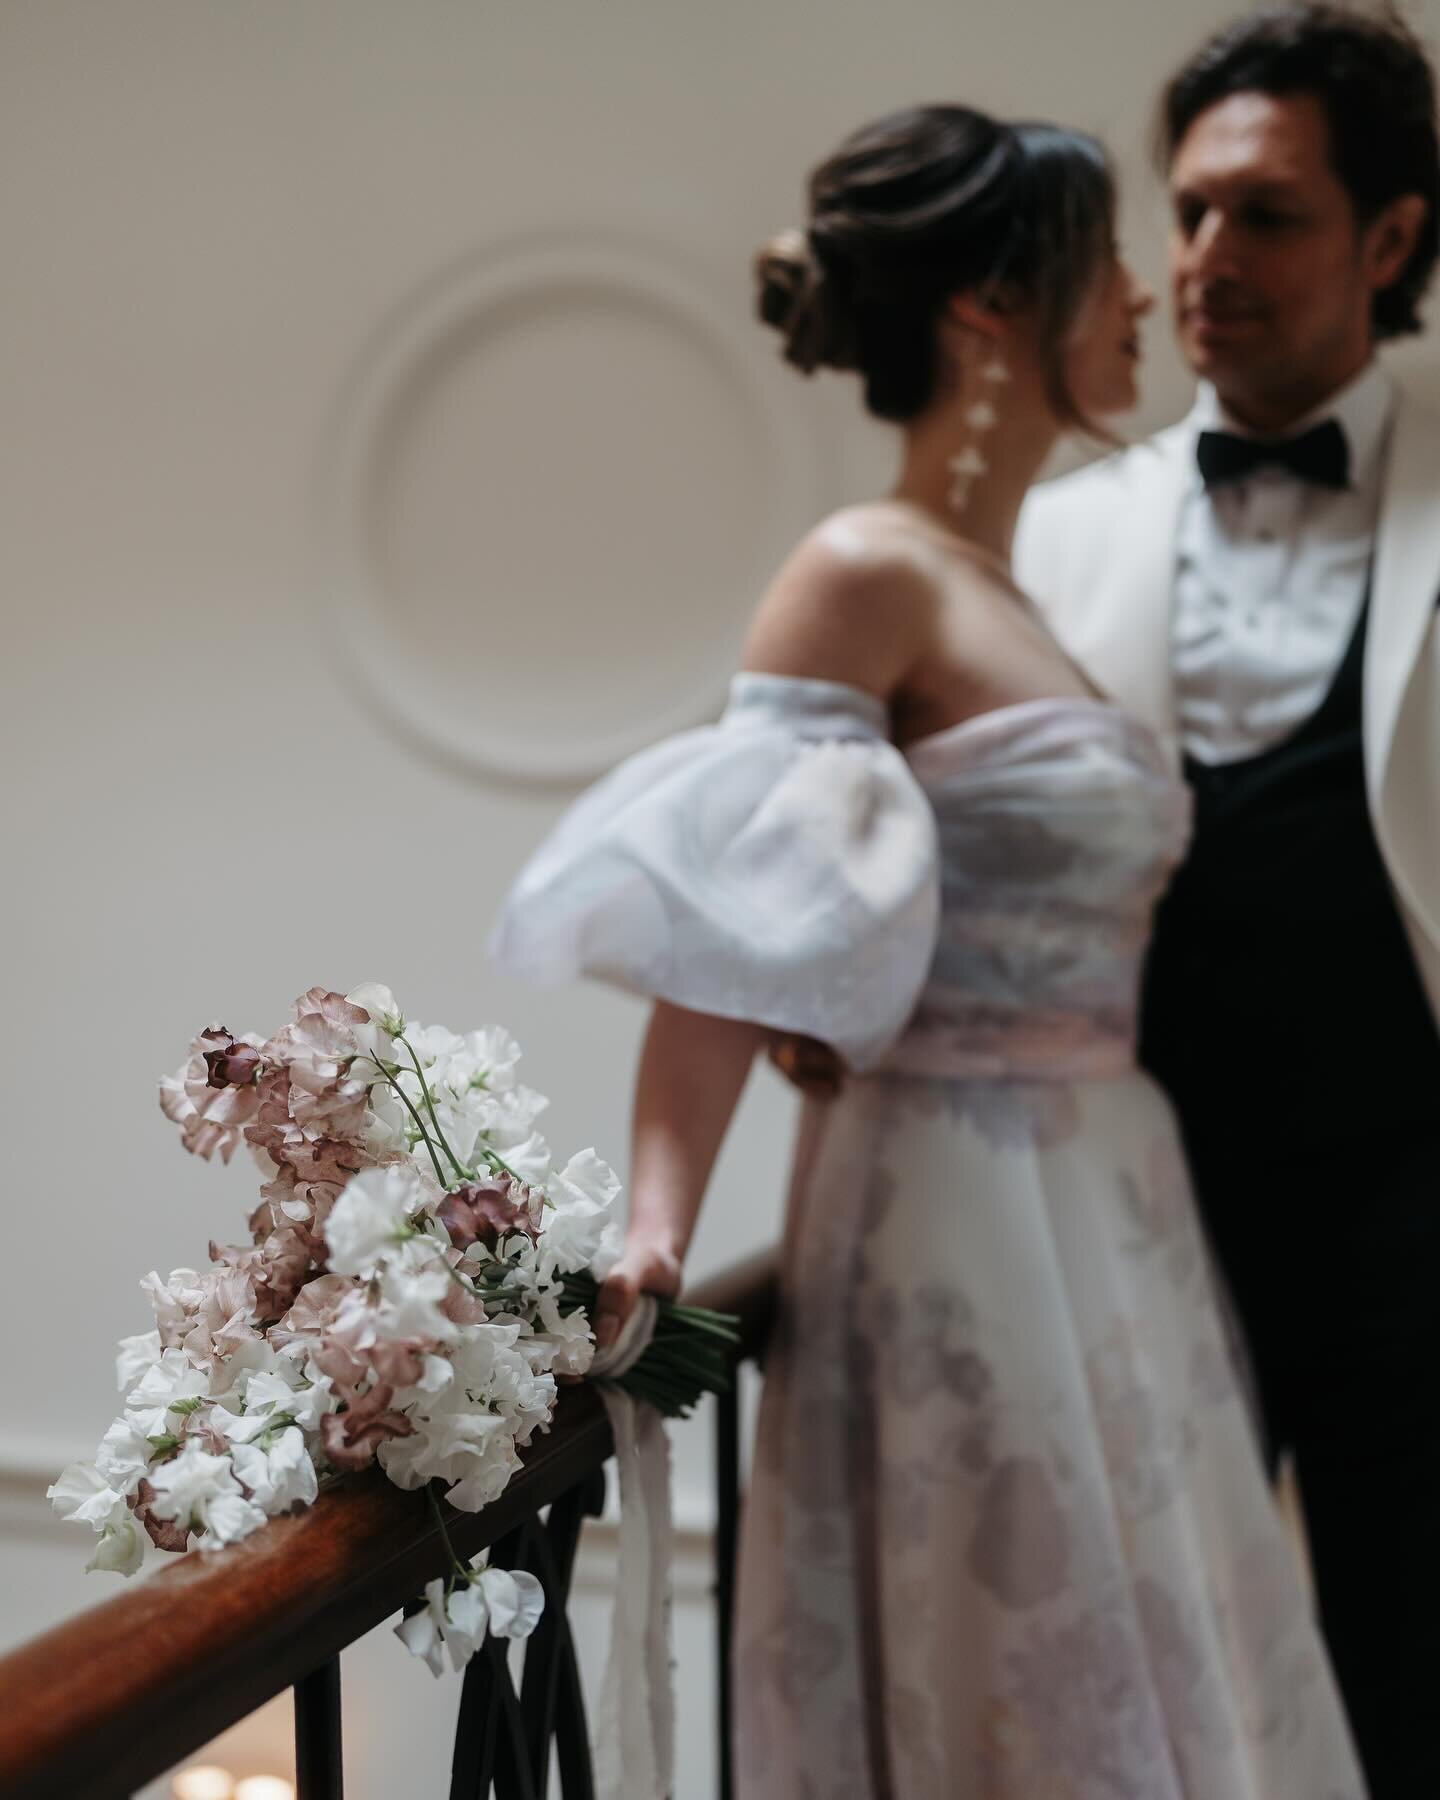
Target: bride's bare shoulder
853	602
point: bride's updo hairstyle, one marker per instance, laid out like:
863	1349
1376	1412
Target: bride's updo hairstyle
928	203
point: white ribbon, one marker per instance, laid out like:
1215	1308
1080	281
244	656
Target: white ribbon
635	1729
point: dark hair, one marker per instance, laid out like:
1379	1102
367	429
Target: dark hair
1369	72
923	204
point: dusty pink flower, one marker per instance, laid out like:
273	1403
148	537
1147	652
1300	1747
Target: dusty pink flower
485	1211
278	1266
350	1437
165	1534
317	1049
212	1117
207	1316
314	1310
232	1061
309	1173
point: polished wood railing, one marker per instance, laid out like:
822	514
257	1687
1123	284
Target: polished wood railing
112	1698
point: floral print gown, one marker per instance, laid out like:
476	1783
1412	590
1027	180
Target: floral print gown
1007	1535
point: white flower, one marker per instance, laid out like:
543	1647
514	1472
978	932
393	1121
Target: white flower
446	1445
381	1004
307	1402
587	1178
166	1383
486	1482
200	1491
280	1477
529	1157
438	1374
466	1616
124	1455
408	1306
612	1242
134	1357
421	1632
168	1298
493	1054
83	1493
515	1600
228	1518
574	1229
256	1356
372	1217
121	1549
241	1428
566	1347
496	1600
572	1237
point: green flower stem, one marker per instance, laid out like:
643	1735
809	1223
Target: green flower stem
455	1162
461	1280
496	1161
419	1122
458	1571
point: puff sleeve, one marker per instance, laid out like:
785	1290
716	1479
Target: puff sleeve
779	866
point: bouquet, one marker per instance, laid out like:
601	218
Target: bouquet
419	1273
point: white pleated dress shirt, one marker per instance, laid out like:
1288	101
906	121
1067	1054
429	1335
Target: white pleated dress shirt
1271	573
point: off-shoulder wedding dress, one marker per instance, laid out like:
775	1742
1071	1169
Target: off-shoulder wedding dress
1007	1535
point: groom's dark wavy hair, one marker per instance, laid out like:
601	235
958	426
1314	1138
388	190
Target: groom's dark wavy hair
1370	73
923	204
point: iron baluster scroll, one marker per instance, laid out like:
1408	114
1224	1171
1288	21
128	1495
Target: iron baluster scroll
503	1740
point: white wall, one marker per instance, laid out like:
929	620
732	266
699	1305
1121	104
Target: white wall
281	401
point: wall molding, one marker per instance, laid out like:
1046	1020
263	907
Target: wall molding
461	304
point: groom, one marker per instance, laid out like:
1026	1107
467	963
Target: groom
1261	583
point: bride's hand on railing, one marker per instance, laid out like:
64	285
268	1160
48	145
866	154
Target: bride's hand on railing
645	1267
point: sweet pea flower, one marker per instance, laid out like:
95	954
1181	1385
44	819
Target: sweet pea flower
211	1117
200	1492
82	1493
134	1357
375	999
165	1386
124	1456
121	1549
373	1216
280	1476
507	1604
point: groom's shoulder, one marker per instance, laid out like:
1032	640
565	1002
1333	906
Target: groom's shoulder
1117	478
1417	417
1066	523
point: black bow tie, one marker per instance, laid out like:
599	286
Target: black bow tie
1320	455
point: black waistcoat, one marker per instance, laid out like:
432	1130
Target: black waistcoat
1282	1007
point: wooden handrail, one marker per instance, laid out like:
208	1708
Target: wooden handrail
105	1701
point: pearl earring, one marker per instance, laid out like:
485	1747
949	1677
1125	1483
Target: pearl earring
968	464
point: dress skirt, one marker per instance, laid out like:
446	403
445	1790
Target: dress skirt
1007	1535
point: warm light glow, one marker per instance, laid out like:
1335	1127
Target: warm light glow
264	1787
203	1781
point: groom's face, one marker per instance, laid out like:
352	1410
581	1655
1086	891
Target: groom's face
1267	276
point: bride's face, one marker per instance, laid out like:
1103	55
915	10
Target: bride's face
1102	363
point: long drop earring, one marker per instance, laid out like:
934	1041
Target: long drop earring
968	464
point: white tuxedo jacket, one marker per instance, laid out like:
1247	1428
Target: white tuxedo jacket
1096	550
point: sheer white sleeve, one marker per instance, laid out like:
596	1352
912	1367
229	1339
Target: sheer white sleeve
779	867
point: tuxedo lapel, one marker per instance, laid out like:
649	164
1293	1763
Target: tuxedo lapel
1405	583
1402	682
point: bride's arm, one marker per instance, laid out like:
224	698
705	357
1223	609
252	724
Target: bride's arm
845	607
692	1070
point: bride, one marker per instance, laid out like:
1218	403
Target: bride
1007	1535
